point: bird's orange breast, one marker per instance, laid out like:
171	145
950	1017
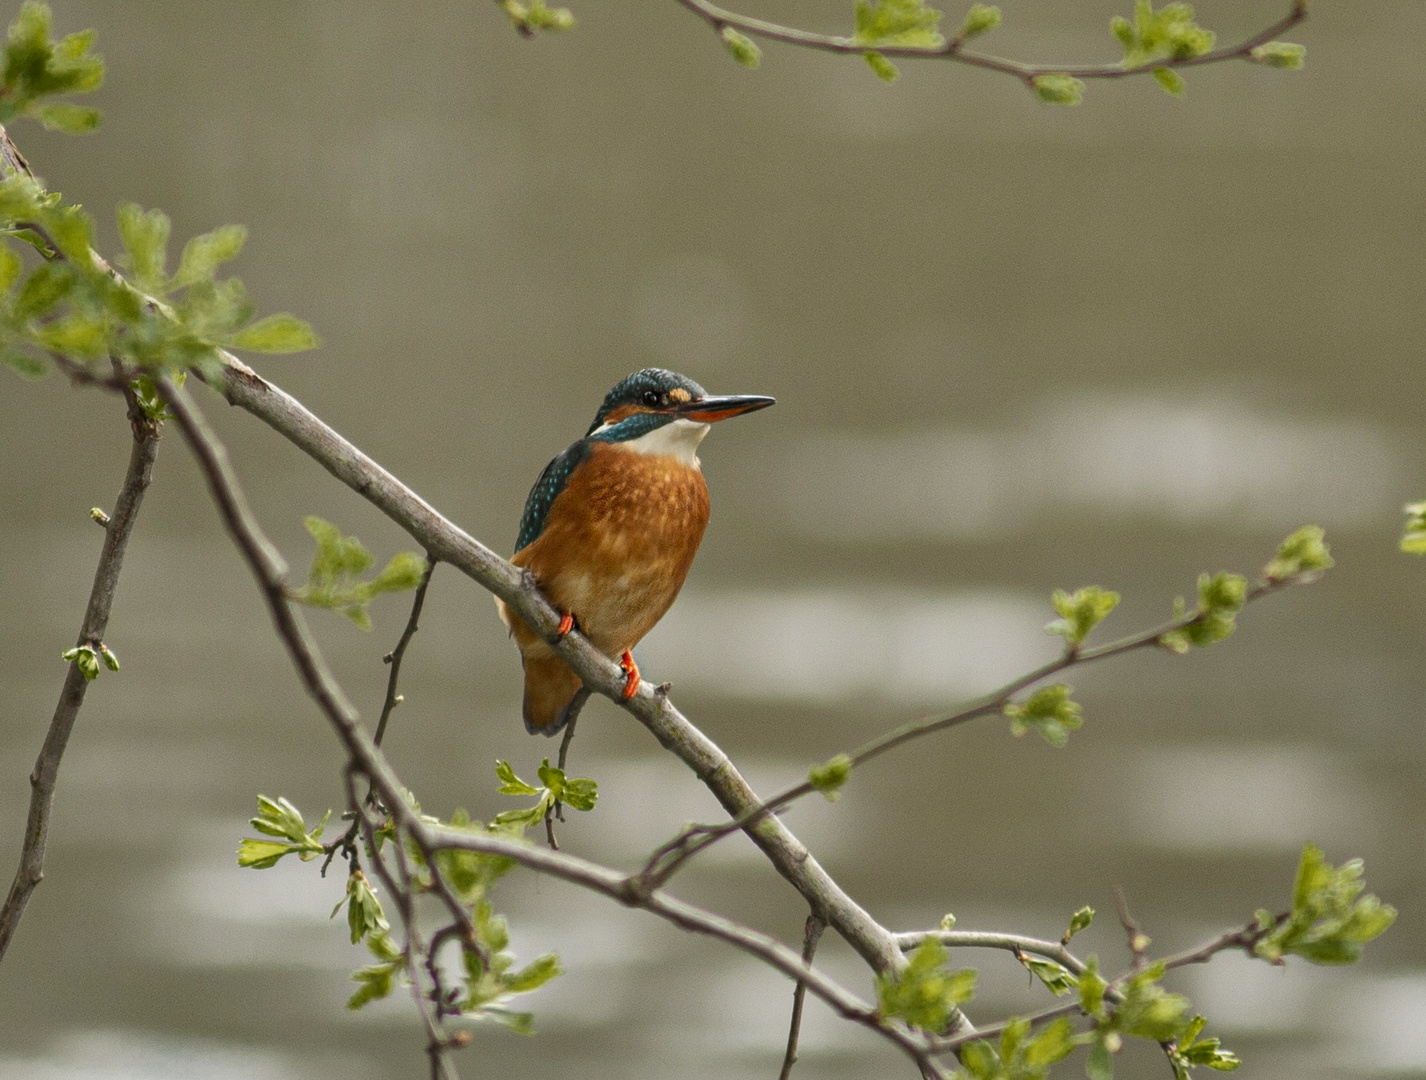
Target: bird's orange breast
617	545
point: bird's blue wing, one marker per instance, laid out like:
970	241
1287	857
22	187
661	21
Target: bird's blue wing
546	490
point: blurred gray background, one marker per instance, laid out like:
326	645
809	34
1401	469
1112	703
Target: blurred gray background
1014	347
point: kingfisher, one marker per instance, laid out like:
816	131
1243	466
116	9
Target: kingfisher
611	527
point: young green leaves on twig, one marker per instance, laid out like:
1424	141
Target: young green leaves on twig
1080	612
529	17
38	68
88	657
926	992
334	580
279	818
1330	919
578	792
75	309
1018	1056
895	22
1049	711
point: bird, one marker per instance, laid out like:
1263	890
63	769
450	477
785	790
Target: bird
610	529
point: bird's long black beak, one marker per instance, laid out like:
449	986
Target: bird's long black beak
719	407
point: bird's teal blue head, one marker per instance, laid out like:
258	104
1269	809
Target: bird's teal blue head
650	398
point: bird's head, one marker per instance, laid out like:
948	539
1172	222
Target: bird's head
652	397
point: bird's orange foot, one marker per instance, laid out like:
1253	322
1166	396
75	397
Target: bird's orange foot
565	626
626	663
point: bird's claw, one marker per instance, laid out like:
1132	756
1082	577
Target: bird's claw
565	626
627	665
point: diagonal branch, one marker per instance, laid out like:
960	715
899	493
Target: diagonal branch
269	570
96	619
445	542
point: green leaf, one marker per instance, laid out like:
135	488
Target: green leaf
925	992
204	254
364	912
1052	1045
883	68
262	854
107	655
743	48
897	22
1280	54
85	659
281	333
1080	920
1170	80
333	581
534	975
1058	979
27	367
1100	1064
379	979
145	235
1080	611
1220	597
1092	986
580	792
1058	89
70	119
1050	711
829	777
1304	552
510	784
980	19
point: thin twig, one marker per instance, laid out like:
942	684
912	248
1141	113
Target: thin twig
811	934
1138	941
96	619
719	18
670	856
395	656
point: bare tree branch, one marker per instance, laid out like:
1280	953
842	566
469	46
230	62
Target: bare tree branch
91	632
811	934
396	655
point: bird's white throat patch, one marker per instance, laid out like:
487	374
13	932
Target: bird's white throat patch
678	440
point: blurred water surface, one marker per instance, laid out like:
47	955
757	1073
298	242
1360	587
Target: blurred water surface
1014	348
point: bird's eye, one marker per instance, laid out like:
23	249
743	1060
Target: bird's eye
651	398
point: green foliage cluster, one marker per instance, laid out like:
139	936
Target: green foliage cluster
88	657
279	818
578	792
1018	1055
334	581
1171	33
72	306
1080	612
829	777
1330	919
38	68
1304	552
491	977
926	991
1220	597
1049	711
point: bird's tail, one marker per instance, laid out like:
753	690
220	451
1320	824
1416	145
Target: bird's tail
550	688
